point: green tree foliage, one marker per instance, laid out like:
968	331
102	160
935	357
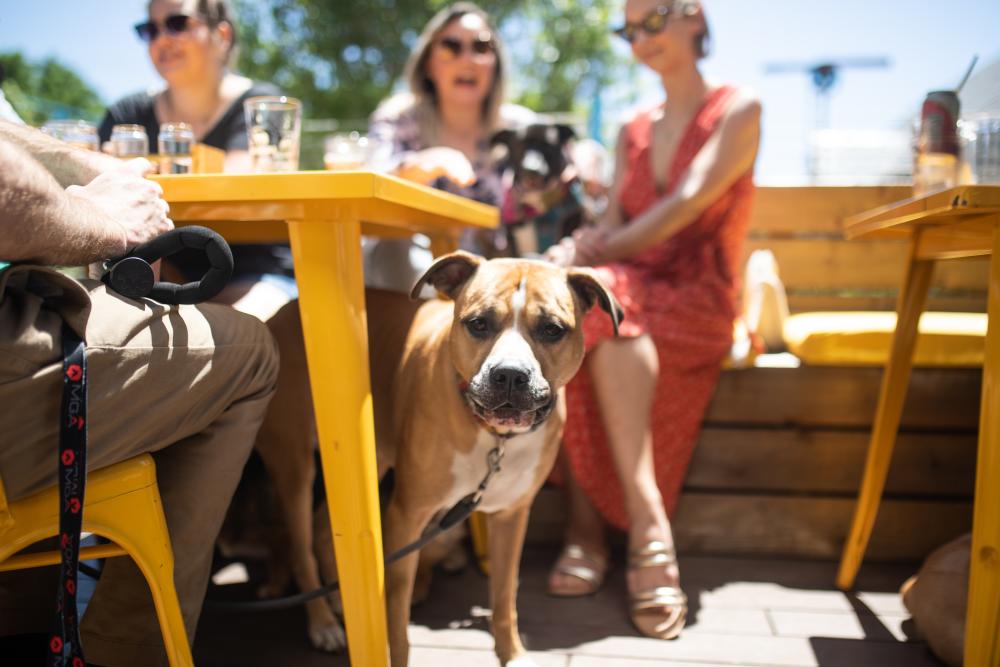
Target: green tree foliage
342	58
47	89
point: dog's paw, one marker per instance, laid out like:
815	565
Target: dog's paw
269	590
520	661
328	636
456	560
335	602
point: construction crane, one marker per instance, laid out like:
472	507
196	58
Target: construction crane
823	74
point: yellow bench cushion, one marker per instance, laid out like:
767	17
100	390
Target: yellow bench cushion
863	338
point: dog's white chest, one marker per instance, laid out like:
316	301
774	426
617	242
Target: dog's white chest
518	470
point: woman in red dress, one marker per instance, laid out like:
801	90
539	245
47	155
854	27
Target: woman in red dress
669	249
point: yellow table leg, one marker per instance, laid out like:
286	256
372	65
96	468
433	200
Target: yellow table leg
442	244
982	646
892	394
328	269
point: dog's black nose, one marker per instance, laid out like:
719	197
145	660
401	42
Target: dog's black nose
509	378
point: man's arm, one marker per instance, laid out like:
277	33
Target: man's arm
68	165
41	222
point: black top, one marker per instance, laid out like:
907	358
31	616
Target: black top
230	133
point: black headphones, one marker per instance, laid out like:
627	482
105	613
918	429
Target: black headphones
132	275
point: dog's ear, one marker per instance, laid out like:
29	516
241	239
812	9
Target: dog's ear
448	273
589	288
502	138
559	134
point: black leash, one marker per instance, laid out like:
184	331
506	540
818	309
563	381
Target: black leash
130	276
455	515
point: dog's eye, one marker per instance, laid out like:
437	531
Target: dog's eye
551	332
478	326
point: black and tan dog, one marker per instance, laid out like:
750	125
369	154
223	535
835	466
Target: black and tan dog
484	370
544	199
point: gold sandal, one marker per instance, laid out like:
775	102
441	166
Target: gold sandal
649	609
590	568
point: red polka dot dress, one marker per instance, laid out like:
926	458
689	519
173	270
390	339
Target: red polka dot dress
682	292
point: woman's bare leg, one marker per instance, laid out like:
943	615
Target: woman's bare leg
625	411
585	529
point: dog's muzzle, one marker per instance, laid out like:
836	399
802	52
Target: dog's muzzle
509	402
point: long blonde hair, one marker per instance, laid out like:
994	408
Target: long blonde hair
424	96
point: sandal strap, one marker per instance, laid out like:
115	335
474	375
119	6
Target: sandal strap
591	571
661	596
576	552
652	554
588	575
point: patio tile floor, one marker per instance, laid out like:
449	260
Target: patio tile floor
743	611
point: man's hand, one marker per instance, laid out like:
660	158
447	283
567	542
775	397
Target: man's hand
130	207
432	163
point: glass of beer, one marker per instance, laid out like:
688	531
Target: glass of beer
129	141
345	151
174	143
78	133
274	131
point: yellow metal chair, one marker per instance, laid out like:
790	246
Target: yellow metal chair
122	503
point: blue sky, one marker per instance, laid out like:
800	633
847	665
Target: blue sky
929	44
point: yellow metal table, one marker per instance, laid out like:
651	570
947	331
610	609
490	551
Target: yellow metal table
959	222
323	214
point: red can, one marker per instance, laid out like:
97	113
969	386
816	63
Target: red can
939	123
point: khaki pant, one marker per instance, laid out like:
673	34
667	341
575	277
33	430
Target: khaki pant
188	383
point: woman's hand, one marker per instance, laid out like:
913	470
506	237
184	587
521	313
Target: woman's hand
590	244
585	248
562	253
428	165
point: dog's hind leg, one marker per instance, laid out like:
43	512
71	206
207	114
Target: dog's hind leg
325	556
506	529
294	486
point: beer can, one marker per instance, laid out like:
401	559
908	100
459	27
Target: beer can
939	123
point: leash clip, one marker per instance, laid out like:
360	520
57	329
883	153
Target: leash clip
493	459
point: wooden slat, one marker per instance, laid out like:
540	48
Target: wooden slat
938	398
828	462
797	210
950	302
838	264
814	527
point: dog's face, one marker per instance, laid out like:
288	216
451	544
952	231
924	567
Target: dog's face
517	336
536	154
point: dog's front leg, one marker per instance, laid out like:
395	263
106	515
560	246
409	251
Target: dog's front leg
401	528
506	530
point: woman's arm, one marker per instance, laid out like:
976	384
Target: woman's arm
612	218
728	154
390	155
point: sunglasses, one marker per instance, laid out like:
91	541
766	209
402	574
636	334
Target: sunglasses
652	24
174	24
481	46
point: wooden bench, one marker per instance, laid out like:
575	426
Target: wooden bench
779	462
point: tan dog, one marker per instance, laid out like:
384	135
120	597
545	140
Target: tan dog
483	371
287	442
